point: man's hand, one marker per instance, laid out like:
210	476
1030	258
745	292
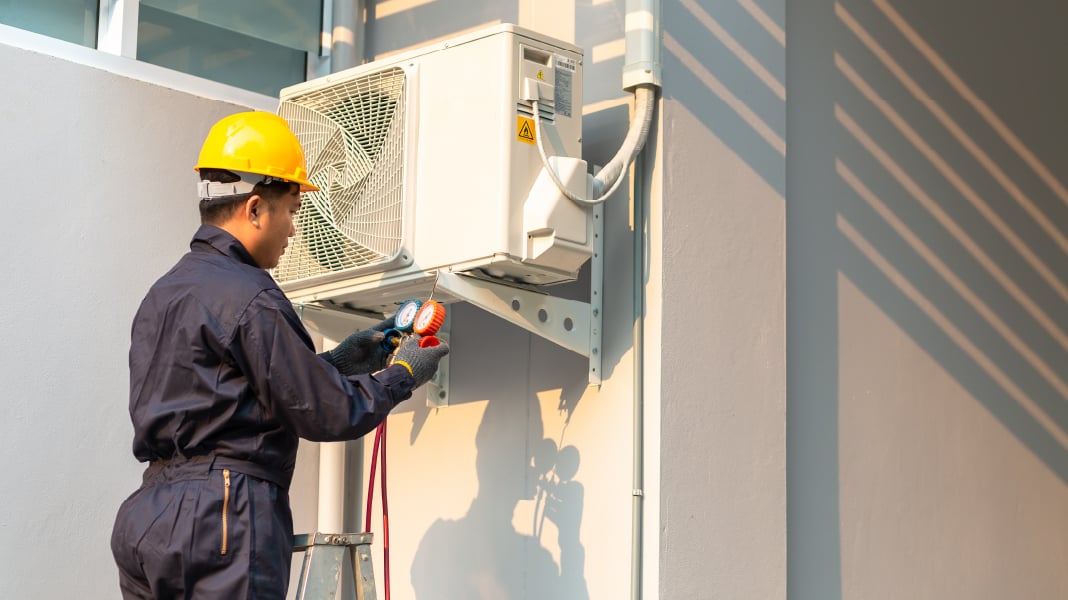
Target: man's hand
363	351
421	362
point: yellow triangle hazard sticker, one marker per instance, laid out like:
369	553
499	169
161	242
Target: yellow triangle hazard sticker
524	130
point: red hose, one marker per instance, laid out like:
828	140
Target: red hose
380	442
385	514
371	479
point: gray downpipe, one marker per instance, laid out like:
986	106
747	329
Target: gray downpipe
347	35
638	433
641	73
335	467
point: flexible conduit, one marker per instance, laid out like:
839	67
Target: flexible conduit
611	176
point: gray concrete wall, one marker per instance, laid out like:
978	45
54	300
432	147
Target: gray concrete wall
928	308
723	386
99	202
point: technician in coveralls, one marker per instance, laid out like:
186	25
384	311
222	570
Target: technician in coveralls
224	379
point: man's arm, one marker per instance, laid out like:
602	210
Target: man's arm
304	390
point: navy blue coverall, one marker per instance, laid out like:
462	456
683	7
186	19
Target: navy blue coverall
223	380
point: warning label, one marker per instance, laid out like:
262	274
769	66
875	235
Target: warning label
524	130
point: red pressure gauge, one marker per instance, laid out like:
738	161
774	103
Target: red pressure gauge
429	318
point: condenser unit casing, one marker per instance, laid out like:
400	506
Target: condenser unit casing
427	163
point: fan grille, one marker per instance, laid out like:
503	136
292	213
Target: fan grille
352	134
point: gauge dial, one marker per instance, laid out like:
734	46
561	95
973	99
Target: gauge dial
405	316
429	318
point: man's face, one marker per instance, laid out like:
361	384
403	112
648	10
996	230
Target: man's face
276	227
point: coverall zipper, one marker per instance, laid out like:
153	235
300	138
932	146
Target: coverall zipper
226	506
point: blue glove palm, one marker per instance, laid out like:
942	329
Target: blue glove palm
363	351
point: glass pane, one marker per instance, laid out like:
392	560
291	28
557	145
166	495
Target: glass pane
216	53
69	20
292	23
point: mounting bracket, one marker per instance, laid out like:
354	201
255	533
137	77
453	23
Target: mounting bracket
573	324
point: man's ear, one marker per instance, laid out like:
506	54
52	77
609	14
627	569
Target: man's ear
254	208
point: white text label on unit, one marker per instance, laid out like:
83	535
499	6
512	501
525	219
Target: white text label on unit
563	93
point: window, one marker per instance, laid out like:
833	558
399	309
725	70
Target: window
259	45
69	20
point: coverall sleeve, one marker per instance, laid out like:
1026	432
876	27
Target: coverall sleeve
302	389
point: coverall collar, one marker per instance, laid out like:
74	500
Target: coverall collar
222	242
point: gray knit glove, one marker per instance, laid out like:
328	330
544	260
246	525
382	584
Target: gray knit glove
363	351
422	362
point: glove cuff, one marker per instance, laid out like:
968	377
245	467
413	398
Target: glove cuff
406	366
328	357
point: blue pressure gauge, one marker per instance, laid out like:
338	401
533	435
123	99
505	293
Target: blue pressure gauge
405	316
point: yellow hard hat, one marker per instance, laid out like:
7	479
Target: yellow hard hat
256	142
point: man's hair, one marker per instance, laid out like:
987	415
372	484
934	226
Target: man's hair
214	211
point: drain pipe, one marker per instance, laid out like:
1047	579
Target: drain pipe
641	73
638	432
346	51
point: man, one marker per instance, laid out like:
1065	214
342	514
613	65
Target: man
224	379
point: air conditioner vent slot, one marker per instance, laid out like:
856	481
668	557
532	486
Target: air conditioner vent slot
546	110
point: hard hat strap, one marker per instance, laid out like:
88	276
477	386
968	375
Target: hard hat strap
208	190
216	189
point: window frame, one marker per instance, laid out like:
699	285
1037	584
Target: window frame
116	52
118	20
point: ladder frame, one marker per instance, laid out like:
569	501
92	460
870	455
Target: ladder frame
320	573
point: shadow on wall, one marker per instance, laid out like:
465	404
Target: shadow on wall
483	554
474	330
726	65
928	181
947	220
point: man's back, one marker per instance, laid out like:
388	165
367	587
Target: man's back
190	393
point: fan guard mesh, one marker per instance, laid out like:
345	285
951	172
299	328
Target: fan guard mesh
352	133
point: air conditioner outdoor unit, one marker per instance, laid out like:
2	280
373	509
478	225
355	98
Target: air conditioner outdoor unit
427	162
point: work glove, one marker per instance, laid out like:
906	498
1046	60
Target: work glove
363	351
421	362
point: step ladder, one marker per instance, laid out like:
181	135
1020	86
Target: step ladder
324	553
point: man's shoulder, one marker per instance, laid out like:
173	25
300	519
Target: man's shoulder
215	280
